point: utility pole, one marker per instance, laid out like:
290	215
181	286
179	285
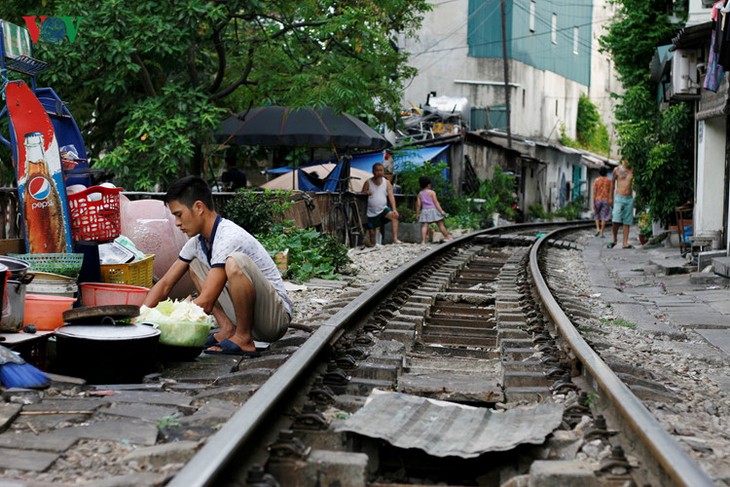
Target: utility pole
508	110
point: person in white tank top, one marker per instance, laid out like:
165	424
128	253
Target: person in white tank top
380	193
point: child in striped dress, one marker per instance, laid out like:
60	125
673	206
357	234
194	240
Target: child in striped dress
428	210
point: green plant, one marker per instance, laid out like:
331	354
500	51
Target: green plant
645	227
571	211
590	131
465	221
498	193
257	212
591	398
657	144
169	421
620	322
537	211
173	70
408	180
311	254
406	215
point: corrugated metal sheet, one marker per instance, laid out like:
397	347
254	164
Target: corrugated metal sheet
446	429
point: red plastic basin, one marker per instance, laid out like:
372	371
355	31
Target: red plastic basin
105	294
45	311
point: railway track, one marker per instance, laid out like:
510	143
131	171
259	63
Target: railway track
484	322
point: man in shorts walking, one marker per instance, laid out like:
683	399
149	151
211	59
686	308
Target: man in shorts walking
623	202
380	194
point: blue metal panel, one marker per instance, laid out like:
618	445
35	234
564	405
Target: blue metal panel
535	48
497	117
478	118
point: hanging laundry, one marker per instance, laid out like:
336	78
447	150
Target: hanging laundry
716	9
715	72
722	37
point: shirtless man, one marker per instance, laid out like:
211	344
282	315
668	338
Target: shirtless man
380	193
623	202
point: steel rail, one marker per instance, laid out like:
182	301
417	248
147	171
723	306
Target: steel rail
210	462
677	464
207	464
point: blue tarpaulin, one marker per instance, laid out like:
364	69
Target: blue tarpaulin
402	158
417	157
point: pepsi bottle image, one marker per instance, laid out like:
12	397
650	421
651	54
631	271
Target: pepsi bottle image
45	229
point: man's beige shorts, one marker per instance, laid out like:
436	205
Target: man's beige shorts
270	319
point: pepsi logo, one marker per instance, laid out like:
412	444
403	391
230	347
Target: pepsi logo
39	188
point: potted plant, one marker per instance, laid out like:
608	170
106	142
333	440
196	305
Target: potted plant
645	227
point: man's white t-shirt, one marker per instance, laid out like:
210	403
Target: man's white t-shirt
227	238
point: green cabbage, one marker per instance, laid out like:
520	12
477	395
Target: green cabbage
181	323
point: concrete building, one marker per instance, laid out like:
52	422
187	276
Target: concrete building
553	58
553	55
686	72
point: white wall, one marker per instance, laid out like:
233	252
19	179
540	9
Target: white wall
440	55
604	79
708	209
697	12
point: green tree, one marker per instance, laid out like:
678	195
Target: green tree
656	143
591	133
149	81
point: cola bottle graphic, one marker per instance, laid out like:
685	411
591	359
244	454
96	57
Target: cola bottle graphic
44	226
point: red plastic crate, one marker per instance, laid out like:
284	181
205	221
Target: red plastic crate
95	221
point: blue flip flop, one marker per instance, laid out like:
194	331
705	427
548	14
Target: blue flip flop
210	341
227	347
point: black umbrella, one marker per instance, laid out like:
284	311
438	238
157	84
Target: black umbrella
301	127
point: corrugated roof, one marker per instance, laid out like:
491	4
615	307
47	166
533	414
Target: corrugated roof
444	429
692	36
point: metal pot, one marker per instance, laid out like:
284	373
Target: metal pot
18	268
14	305
107	354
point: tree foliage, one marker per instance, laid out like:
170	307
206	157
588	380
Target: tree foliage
656	143
149	81
591	133
638	27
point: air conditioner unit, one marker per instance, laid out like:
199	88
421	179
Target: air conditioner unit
684	72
